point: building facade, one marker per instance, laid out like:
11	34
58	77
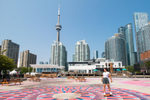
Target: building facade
115	48
82	51
140	19
143	40
58	57
127	31
103	55
91	65
46	68
12	50
95	54
27	58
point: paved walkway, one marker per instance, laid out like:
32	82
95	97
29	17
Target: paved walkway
64	89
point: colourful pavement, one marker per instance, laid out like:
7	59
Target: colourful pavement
62	89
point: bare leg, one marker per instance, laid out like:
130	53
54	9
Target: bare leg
109	87
104	85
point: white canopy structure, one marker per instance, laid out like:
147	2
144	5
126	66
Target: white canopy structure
13	72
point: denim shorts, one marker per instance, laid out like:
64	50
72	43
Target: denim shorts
105	81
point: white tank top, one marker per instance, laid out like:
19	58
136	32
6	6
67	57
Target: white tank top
106	74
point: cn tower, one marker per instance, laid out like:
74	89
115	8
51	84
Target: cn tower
58	28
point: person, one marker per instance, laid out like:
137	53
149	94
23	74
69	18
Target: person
105	80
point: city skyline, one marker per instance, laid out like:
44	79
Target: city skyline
34	29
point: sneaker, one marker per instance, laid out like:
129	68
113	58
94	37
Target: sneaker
104	95
111	94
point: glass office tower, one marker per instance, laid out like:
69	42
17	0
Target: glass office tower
95	54
103	55
73	58
143	40
140	19
115	48
128	36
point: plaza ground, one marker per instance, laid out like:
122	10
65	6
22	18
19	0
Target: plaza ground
69	89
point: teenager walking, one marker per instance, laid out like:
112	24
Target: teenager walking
105	80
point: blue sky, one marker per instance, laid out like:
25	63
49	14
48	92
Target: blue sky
31	23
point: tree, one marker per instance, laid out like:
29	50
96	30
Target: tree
24	70
130	68
147	64
6	64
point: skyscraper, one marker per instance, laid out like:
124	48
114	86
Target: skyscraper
58	58
103	55
128	36
73	58
115	48
27	58
143	40
140	19
82	51
12	50
58	50
95	54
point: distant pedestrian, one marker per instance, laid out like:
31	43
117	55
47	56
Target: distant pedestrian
105	80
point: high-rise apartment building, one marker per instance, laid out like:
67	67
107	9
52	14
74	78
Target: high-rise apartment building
95	54
103	55
58	57
58	50
115	48
143	39
12	50
82	51
27	58
127	31
140	19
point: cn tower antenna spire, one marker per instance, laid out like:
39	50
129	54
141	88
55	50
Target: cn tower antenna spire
59	9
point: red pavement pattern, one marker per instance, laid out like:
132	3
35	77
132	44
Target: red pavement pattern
92	92
137	82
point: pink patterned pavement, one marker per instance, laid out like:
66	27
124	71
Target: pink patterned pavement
137	82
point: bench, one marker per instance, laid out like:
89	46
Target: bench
80	79
17	81
10	81
31	79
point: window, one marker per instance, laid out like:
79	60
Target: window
102	66
97	66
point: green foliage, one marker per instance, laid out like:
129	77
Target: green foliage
147	64
142	66
34	69
130	68
24	70
1	52
6	63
